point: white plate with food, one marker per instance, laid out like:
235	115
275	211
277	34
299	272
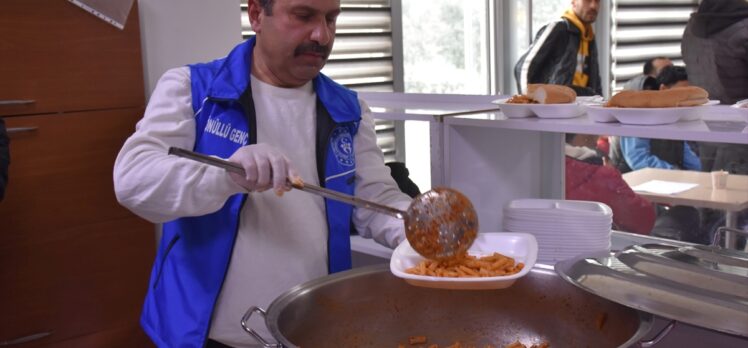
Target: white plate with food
655	116
658	107
514	110
569	110
514	249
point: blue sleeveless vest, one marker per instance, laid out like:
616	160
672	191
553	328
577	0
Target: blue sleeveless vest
195	252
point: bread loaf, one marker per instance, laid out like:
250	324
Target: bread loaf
674	97
551	94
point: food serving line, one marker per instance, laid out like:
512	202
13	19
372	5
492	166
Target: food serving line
597	300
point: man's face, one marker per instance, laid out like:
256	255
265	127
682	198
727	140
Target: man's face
659	64
295	41
586	10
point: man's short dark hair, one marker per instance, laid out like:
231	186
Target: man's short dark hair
649	68
650	84
671	75
267	5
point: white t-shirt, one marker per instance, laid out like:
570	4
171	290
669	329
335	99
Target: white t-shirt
282	241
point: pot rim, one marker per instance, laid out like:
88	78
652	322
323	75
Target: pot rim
646	320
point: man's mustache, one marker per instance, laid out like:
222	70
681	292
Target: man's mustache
312	48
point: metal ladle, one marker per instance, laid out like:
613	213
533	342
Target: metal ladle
440	224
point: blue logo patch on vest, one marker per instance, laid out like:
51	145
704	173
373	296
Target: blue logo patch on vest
342	146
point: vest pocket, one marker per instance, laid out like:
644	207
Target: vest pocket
163	259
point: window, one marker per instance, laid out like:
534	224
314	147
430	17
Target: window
545	11
361	58
445	50
445	47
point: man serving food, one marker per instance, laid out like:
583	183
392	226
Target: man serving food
229	242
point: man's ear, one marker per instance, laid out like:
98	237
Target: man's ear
255	12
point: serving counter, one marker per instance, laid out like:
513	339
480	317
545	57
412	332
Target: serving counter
366	252
493	159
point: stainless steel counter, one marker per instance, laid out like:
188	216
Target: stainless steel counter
368	252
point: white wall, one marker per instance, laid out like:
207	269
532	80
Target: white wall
180	32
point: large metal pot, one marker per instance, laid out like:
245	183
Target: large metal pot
369	307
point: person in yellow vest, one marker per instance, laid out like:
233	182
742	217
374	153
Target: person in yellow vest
564	52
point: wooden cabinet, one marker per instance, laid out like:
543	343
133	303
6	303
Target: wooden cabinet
74	264
57	57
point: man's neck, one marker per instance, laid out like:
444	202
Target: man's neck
262	72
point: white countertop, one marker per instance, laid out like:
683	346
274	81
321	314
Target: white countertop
721	124
424	107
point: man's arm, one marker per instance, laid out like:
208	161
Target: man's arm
532	62
155	185
374	182
4	158
638	154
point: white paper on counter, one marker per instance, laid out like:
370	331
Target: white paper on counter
664	187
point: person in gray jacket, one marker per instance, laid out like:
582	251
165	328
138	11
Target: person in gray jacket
715	49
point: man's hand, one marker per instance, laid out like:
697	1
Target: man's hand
265	167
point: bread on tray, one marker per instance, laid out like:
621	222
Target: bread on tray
538	93
674	97
551	94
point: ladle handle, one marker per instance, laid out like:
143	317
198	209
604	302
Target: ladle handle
317	190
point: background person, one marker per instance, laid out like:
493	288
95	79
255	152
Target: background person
645	82
648	80
641	153
715	49
229	242
676	222
590	178
564	53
